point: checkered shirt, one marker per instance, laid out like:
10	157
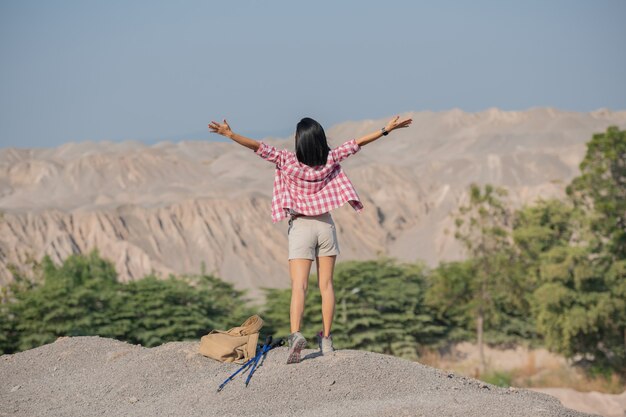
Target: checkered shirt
310	190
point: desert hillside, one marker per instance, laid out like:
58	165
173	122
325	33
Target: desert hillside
176	207
88	376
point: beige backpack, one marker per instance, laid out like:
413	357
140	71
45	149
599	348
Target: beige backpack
236	345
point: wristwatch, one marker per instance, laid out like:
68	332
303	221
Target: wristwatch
385	133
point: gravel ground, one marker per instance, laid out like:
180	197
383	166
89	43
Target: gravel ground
94	376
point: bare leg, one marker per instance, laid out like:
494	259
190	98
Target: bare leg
325	270
299	270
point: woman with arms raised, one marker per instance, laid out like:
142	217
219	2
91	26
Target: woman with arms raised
308	184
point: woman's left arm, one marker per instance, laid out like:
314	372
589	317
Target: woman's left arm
395	123
225	130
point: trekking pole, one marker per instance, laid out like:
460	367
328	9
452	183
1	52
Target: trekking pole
268	346
268	343
245	366
275	344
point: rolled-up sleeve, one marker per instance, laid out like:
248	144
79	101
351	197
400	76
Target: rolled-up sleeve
342	152
270	153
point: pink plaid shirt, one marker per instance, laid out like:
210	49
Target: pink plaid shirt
310	190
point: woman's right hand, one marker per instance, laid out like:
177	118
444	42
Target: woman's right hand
393	124
221	129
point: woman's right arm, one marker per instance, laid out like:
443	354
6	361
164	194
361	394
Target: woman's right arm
225	130
353	146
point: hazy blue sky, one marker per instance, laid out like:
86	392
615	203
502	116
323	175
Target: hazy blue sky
152	70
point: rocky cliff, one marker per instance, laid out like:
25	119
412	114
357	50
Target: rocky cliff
179	207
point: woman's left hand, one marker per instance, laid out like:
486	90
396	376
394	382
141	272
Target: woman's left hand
396	123
221	129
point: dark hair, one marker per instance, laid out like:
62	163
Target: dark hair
311	146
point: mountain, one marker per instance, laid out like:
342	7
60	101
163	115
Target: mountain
178	207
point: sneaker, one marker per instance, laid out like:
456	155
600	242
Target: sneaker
297	342
325	343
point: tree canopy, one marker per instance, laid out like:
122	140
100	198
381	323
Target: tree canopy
82	297
380	308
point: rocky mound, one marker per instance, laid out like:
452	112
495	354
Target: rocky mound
88	376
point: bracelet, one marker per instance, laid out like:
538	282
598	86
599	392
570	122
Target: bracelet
385	133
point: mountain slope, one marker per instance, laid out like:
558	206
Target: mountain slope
172	207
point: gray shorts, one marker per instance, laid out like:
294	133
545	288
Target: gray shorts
312	236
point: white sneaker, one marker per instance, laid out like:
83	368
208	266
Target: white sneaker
325	343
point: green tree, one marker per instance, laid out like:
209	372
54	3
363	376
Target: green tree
483	227
8	333
450	294
541	227
538	230
580	302
601	190
82	297
379	307
155	311
74	300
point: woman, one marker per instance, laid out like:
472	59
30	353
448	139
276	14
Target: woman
308	184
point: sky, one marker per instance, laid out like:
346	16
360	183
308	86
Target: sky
154	70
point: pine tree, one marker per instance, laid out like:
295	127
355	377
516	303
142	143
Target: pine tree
379	307
82	297
73	300
156	310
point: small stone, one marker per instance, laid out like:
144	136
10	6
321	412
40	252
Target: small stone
133	400
451	375
483	385
512	389
15	388
332	383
